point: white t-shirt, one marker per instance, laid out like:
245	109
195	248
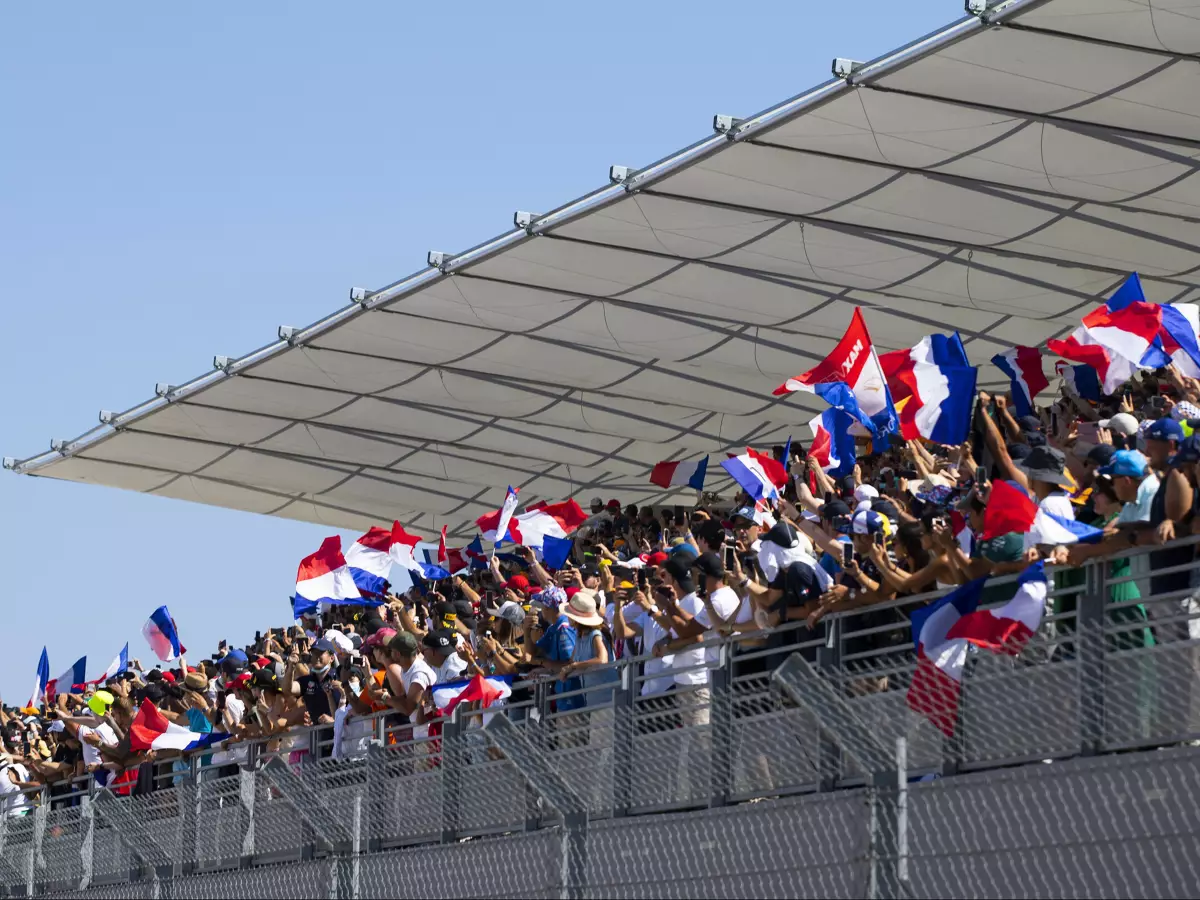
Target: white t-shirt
1060	505
236	709
91	754
12	801
725	601
451	669
652	633
692	656
420	672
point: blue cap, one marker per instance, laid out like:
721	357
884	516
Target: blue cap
866	521
325	646
684	549
1127	463
745	512
1189	451
1164	430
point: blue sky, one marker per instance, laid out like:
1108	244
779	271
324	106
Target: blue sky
178	180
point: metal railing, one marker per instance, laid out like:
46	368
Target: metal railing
1082	687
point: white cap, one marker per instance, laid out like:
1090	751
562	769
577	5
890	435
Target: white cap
863	504
1121	423
865	492
56	725
340	640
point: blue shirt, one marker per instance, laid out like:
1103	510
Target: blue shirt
558	645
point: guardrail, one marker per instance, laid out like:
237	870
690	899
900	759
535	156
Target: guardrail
1083	687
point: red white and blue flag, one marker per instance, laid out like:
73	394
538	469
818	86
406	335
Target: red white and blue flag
680	474
1082	381
161	635
324	577
854	364
832	446
932	388
1177	335
758	474
945	629
151	731
488	691
507	509
119	664
71	681
1023	366
370	562
541	519
1010	509
38	697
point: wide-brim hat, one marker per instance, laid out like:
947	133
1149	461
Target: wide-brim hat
582	609
1047	465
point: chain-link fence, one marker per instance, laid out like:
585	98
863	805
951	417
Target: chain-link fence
793	766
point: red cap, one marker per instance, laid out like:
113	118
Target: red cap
572	591
614	504
168	678
654	559
240	680
382	636
263	662
517	583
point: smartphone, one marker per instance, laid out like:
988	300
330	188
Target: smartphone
257	636
224	645
879	539
981	475
1053	422
728	553
829	496
847	553
643	579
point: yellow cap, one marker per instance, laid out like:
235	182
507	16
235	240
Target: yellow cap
100	702
606	562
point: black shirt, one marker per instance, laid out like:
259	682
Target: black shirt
322	696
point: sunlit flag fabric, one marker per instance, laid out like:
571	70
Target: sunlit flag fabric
324	577
119	664
832	445
488	691
1083	381
43	678
443	558
151	731
1177	334
945	629
1118	338
497	530
1010	509
759	475
71	681
555	551
680	474
160	634
854	363
1023	366
937	681
403	547
369	560
538	520
933	389
477	559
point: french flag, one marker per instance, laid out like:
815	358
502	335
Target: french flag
937	681
1177	336
680	474
119	664
1116	340
1008	628
476	558
832	445
161	635
541	519
71	681
758	474
43	679
1009	509
488	691
1023	366
500	528
324	577
151	731
1083	381
853	363
945	629
933	389
370	562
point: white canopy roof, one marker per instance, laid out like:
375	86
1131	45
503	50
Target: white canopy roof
999	177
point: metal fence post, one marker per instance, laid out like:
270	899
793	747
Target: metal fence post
624	727
451	777
248	792
829	663
1089	644
721	728
88	844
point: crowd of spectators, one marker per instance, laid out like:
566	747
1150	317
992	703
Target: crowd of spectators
661	583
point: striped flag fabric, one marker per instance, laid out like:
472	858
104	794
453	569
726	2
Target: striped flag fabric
119	664
152	731
1023	366
758	474
43	679
370	562
933	389
832	445
1082	380
1010	509
71	681
324	577
680	474
161	635
489	691
537	521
